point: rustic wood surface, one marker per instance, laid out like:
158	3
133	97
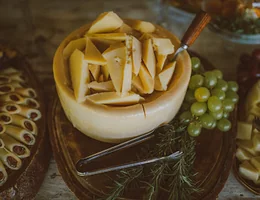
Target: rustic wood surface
36	28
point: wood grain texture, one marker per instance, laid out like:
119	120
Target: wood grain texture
38	32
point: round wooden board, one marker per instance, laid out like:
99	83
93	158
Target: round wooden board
25	182
215	153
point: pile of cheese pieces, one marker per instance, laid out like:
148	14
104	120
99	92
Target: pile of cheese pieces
248	138
115	63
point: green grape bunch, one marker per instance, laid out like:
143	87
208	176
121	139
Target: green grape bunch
208	101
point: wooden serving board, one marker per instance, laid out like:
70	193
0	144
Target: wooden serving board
215	153
25	182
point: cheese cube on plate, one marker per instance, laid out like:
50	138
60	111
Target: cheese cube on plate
244	130
248	171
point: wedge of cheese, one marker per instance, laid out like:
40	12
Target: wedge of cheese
79	44
247	145
255	161
256	142
163	46
93	55
137	84
147	80
102	86
114	98
136	55
116	60
157	84
166	75
249	172
106	22
109	36
79	75
143	26
149	57
127	73
95	71
242	154
124	28
244	130
161	61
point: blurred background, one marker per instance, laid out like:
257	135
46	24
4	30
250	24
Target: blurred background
36	27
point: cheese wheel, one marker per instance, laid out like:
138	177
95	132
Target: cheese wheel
118	123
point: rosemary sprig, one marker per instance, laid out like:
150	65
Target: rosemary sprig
175	178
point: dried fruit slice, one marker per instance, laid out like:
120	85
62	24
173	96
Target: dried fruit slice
95	70
79	44
164	77
79	75
149	57
116	59
92	54
248	171
114	98
136	55
102	86
147	80
106	22
143	26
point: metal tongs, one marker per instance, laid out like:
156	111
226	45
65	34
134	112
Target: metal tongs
197	25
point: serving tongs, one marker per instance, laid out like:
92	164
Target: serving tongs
194	30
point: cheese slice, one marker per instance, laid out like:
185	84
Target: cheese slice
95	71
79	75
143	26
103	44
102	86
106	22
124	28
163	46
116	60
137	83
101	78
79	44
247	171
244	130
109	36
114	98
149	57
146	79
136	55
127	73
160	61
256	142
105	71
166	75
255	161
242	154
93	55
247	145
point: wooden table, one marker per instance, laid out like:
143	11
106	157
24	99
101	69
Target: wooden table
36	28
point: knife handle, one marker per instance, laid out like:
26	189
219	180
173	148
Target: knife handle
198	24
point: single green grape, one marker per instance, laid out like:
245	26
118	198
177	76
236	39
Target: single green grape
210	79
224	125
221	84
198	108
232	85
194	129
217	115
214	125
214	104
202	94
228	105
186	116
189	97
196	81
226	115
218	73
195	62
232	95
207	121
218	93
